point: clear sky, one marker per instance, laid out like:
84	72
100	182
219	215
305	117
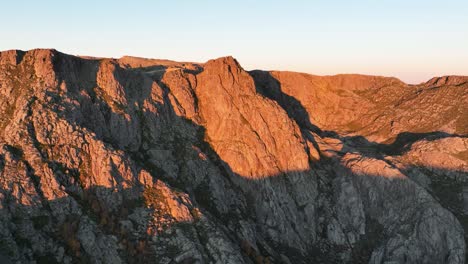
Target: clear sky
410	39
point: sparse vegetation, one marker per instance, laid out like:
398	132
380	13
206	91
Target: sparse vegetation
40	221
252	253
154	197
363	248
68	231
84	168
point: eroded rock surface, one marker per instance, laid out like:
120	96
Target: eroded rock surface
137	160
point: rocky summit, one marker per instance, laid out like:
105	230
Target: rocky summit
137	160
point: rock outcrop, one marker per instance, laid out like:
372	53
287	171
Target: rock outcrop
137	160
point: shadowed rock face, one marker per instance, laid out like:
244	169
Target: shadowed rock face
138	160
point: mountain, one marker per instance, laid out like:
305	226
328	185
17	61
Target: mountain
136	160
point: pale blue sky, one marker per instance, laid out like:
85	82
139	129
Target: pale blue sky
412	40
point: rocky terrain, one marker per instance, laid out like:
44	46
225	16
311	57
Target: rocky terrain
137	160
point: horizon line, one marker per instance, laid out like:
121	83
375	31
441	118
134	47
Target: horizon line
83	56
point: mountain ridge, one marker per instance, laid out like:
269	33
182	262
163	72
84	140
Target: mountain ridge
461	78
122	161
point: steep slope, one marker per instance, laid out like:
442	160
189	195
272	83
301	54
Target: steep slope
135	160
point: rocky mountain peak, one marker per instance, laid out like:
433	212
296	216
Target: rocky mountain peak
136	160
219	62
11	57
229	74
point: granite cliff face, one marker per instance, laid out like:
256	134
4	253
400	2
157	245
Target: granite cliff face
135	160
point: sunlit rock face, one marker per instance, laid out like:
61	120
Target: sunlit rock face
138	160
252	134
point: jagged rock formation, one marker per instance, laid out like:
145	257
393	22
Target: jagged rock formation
149	161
